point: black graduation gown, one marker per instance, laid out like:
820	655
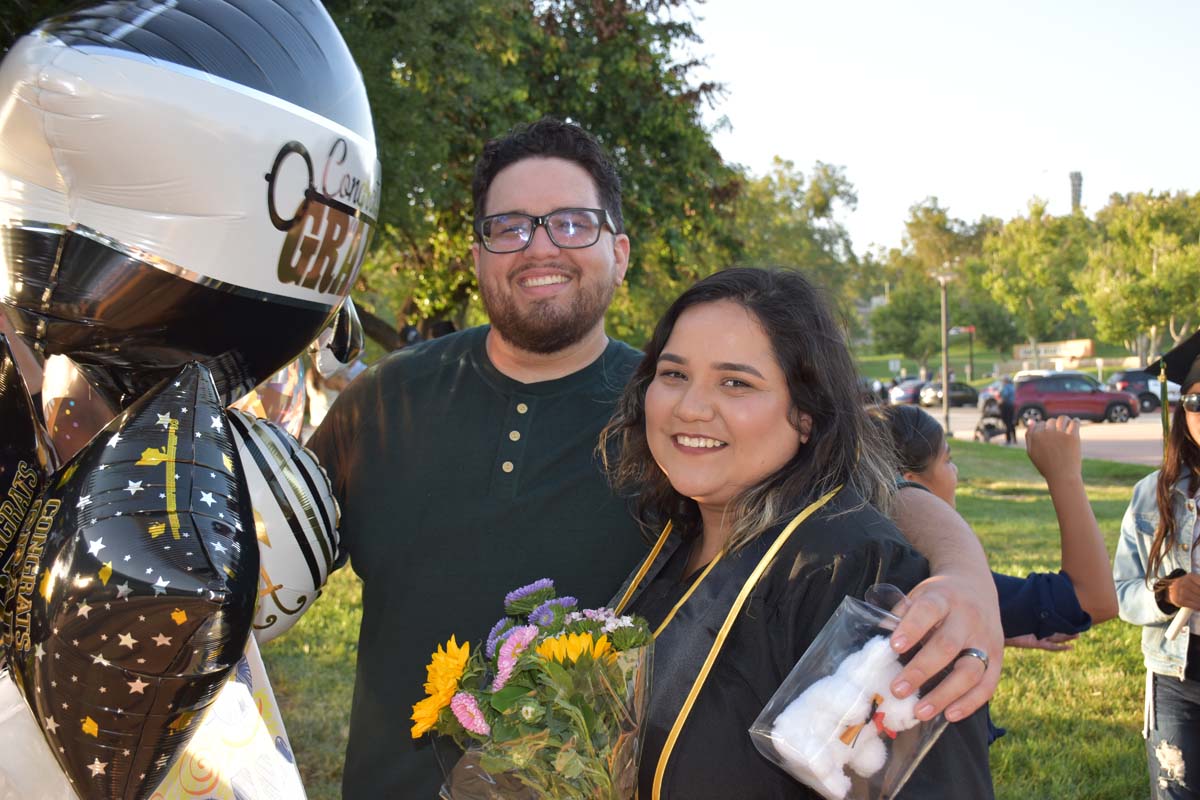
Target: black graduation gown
744	626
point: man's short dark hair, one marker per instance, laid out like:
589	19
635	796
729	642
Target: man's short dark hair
550	138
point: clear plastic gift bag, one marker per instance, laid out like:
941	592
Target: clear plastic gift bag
600	715
834	724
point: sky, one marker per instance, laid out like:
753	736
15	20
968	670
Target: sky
982	105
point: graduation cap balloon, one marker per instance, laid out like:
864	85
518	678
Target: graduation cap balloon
183	180
131	590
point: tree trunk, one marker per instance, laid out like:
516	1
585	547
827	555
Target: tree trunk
1155	344
380	331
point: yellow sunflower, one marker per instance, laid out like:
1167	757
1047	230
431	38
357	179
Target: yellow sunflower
570	646
444	671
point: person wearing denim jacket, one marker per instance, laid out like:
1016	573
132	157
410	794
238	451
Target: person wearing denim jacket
1136	599
1157	575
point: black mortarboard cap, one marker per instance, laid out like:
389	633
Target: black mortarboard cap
1182	362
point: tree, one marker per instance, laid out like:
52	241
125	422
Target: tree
784	219
911	322
1142	281
935	242
1031	263
444	77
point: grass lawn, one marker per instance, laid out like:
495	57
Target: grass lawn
1073	719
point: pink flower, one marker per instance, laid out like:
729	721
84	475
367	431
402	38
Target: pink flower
515	643
467	712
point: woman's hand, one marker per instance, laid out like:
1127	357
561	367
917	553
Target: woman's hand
1184	591
956	616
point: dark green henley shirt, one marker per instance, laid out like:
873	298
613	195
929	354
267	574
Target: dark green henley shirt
458	484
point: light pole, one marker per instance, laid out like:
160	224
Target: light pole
943	278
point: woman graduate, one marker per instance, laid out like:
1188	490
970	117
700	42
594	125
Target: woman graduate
1157	572
741	428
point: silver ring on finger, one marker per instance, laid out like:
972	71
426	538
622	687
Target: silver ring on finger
975	652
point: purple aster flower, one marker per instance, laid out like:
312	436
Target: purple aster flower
520	602
543	615
525	591
495	636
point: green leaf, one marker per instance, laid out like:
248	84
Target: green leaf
506	697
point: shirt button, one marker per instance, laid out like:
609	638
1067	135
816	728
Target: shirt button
507	466
1186	546
1191	505
522	408
514	435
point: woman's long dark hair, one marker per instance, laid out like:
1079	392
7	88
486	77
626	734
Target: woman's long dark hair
1181	458
843	448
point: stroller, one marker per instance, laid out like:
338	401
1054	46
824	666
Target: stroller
989	425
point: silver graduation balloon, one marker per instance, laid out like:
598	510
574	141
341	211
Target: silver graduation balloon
184	180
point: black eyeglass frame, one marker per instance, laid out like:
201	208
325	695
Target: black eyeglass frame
1189	400
602	213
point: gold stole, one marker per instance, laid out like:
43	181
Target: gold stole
654	563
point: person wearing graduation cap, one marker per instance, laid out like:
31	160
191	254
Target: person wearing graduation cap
1157	574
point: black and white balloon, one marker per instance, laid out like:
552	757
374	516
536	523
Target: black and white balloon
184	180
295	518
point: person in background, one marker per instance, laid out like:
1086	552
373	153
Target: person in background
1157	572
1041	609
1008	409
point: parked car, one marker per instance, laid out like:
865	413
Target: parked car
907	391
989	396
961	394
1072	394
1147	388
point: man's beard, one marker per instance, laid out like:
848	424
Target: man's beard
545	327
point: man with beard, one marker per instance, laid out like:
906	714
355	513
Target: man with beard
465	466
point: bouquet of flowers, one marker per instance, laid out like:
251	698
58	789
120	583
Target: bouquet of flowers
549	706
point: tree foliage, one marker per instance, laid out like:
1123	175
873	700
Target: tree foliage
1031	264
785	219
937	243
1142	281
445	77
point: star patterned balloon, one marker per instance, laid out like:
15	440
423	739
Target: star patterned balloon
131	591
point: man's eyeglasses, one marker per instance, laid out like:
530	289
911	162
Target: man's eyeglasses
1190	402
569	228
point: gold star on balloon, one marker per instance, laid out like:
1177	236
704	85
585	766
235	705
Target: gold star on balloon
90	727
